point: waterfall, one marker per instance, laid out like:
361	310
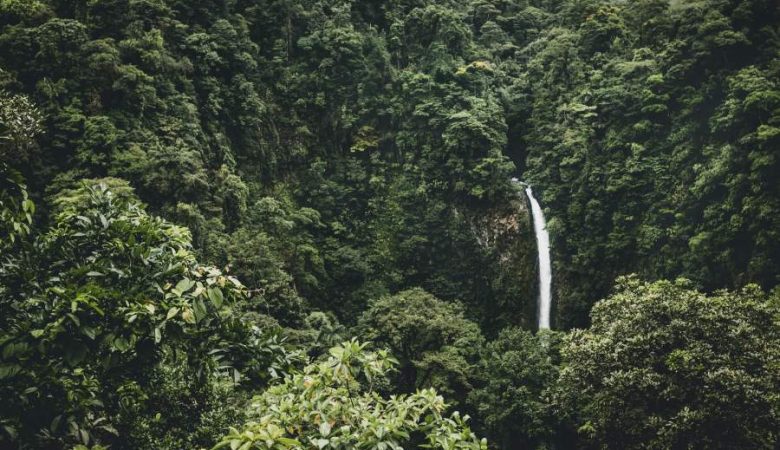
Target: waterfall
545	270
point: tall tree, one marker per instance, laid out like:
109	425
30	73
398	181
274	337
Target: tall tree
665	366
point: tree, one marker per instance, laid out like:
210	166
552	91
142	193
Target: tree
331	405
433	341
275	256
20	125
106	306
645	129
665	366
511	397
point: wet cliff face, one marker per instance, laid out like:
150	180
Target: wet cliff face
504	237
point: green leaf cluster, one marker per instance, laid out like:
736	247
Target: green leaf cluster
330	405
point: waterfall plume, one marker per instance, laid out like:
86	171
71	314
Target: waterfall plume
543	249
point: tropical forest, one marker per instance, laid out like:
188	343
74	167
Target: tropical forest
389	224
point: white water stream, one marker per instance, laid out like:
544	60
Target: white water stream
545	269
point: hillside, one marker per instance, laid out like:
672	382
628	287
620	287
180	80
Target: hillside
212	209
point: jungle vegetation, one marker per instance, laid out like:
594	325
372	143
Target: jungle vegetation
289	224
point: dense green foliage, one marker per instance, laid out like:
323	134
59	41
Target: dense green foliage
106	315
653	129
332	405
511	396
390	130
435	345
20	124
199	200
664	366
384	168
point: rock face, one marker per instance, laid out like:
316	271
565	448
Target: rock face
505	235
